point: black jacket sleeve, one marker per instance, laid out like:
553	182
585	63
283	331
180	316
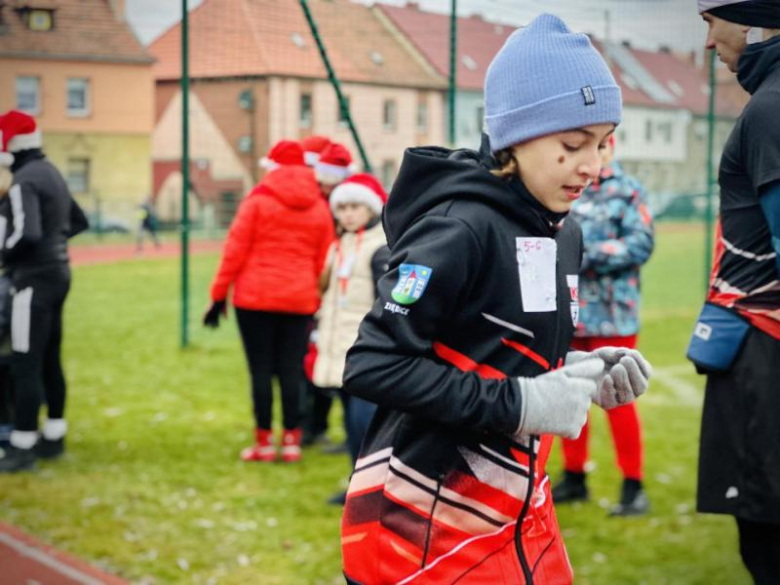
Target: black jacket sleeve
25	227
393	363
379	263
78	220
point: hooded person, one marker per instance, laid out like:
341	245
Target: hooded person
736	341
37	216
470	369
272	260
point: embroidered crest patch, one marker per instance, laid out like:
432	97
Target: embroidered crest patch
412	281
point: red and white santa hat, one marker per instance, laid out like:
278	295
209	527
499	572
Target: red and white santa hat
334	166
18	131
313	147
284	152
360	188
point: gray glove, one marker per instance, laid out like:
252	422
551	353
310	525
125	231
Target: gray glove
625	377
558	402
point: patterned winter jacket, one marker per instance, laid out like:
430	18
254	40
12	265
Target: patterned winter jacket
617	228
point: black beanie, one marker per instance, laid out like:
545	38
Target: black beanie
759	13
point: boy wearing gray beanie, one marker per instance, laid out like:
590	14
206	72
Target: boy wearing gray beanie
739	470
466	351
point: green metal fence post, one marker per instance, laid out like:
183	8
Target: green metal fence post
710	173
343	108
453	71
185	175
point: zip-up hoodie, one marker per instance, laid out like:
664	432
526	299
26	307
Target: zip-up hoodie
277	245
442	481
37	217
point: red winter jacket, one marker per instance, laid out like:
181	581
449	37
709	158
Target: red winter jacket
277	244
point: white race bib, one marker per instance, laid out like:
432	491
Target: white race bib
536	259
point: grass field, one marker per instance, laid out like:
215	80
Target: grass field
152	488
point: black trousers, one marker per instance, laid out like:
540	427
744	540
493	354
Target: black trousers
275	343
36	338
759	545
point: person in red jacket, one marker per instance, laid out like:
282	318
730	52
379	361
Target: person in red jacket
273	257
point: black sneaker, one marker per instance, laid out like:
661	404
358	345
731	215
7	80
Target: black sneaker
572	488
14	459
633	500
46	449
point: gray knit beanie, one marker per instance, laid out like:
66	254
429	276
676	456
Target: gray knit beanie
546	79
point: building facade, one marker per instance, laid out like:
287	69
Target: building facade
78	68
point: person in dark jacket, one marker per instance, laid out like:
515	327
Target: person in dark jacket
273	257
739	459
36	219
466	350
617	229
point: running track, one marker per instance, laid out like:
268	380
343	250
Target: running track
27	561
105	254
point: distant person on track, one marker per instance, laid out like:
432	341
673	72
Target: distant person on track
466	350
618	234
147	224
273	257
37	216
737	338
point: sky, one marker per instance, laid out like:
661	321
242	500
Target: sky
645	23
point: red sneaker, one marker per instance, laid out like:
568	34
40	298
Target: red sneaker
263	449
291	445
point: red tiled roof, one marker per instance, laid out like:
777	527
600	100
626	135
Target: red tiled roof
691	82
429	32
230	38
83	30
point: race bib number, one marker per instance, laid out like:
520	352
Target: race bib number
536	266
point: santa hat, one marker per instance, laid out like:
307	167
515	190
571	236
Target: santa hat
284	152
360	188
18	131
313	147
334	166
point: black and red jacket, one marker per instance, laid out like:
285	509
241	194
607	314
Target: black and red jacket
441	484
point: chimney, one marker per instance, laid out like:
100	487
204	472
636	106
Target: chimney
118	8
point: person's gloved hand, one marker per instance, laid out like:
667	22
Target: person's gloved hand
212	315
558	402
625	377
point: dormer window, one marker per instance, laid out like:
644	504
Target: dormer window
40	20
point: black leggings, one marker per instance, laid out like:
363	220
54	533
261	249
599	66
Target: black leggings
759	545
275	343
36	337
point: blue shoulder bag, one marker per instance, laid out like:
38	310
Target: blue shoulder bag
717	338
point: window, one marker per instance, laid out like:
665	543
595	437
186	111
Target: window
78	97
388	174
665	130
422	117
648	130
480	114
340	113
305	113
77	175
41	20
389	115
28	94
